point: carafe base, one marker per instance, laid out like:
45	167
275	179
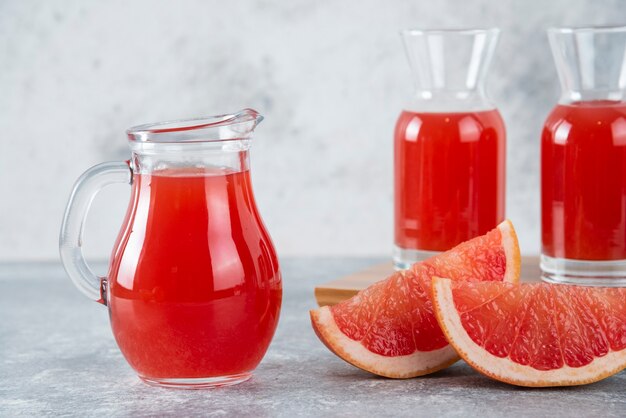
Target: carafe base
605	273
197	383
404	258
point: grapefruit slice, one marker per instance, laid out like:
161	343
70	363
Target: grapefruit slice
535	334
389	329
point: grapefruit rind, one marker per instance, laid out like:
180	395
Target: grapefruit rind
510	245
505	370
398	367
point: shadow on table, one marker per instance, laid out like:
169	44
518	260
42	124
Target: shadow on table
461	375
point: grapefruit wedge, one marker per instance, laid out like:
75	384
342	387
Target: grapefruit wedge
535	334
389	329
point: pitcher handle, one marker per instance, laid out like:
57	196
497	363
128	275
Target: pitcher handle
71	237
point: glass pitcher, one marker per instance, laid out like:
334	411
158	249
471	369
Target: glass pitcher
193	287
449	146
583	160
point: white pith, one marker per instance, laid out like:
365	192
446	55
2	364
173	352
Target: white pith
511	252
505	369
418	363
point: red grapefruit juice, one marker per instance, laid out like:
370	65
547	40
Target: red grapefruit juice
583	187
194	286
449	177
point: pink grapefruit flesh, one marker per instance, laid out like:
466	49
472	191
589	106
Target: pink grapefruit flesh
534	334
389	328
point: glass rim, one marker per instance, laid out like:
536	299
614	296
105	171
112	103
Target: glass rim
587	29
163	132
450	31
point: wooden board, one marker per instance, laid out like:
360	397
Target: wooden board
345	287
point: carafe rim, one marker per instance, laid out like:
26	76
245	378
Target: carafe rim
585	29
450	31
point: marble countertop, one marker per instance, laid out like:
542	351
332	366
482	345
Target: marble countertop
58	357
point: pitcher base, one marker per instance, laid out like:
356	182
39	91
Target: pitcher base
197	383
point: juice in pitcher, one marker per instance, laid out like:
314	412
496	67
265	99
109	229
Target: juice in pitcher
194	288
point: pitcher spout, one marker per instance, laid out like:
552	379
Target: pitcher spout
238	125
243	122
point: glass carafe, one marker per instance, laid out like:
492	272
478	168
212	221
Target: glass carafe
449	146
193	287
583	160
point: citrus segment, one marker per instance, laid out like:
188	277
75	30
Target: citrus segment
534	334
390	329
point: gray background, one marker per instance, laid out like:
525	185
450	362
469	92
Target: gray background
330	77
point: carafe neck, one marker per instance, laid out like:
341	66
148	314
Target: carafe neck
450	101
449	67
590	63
